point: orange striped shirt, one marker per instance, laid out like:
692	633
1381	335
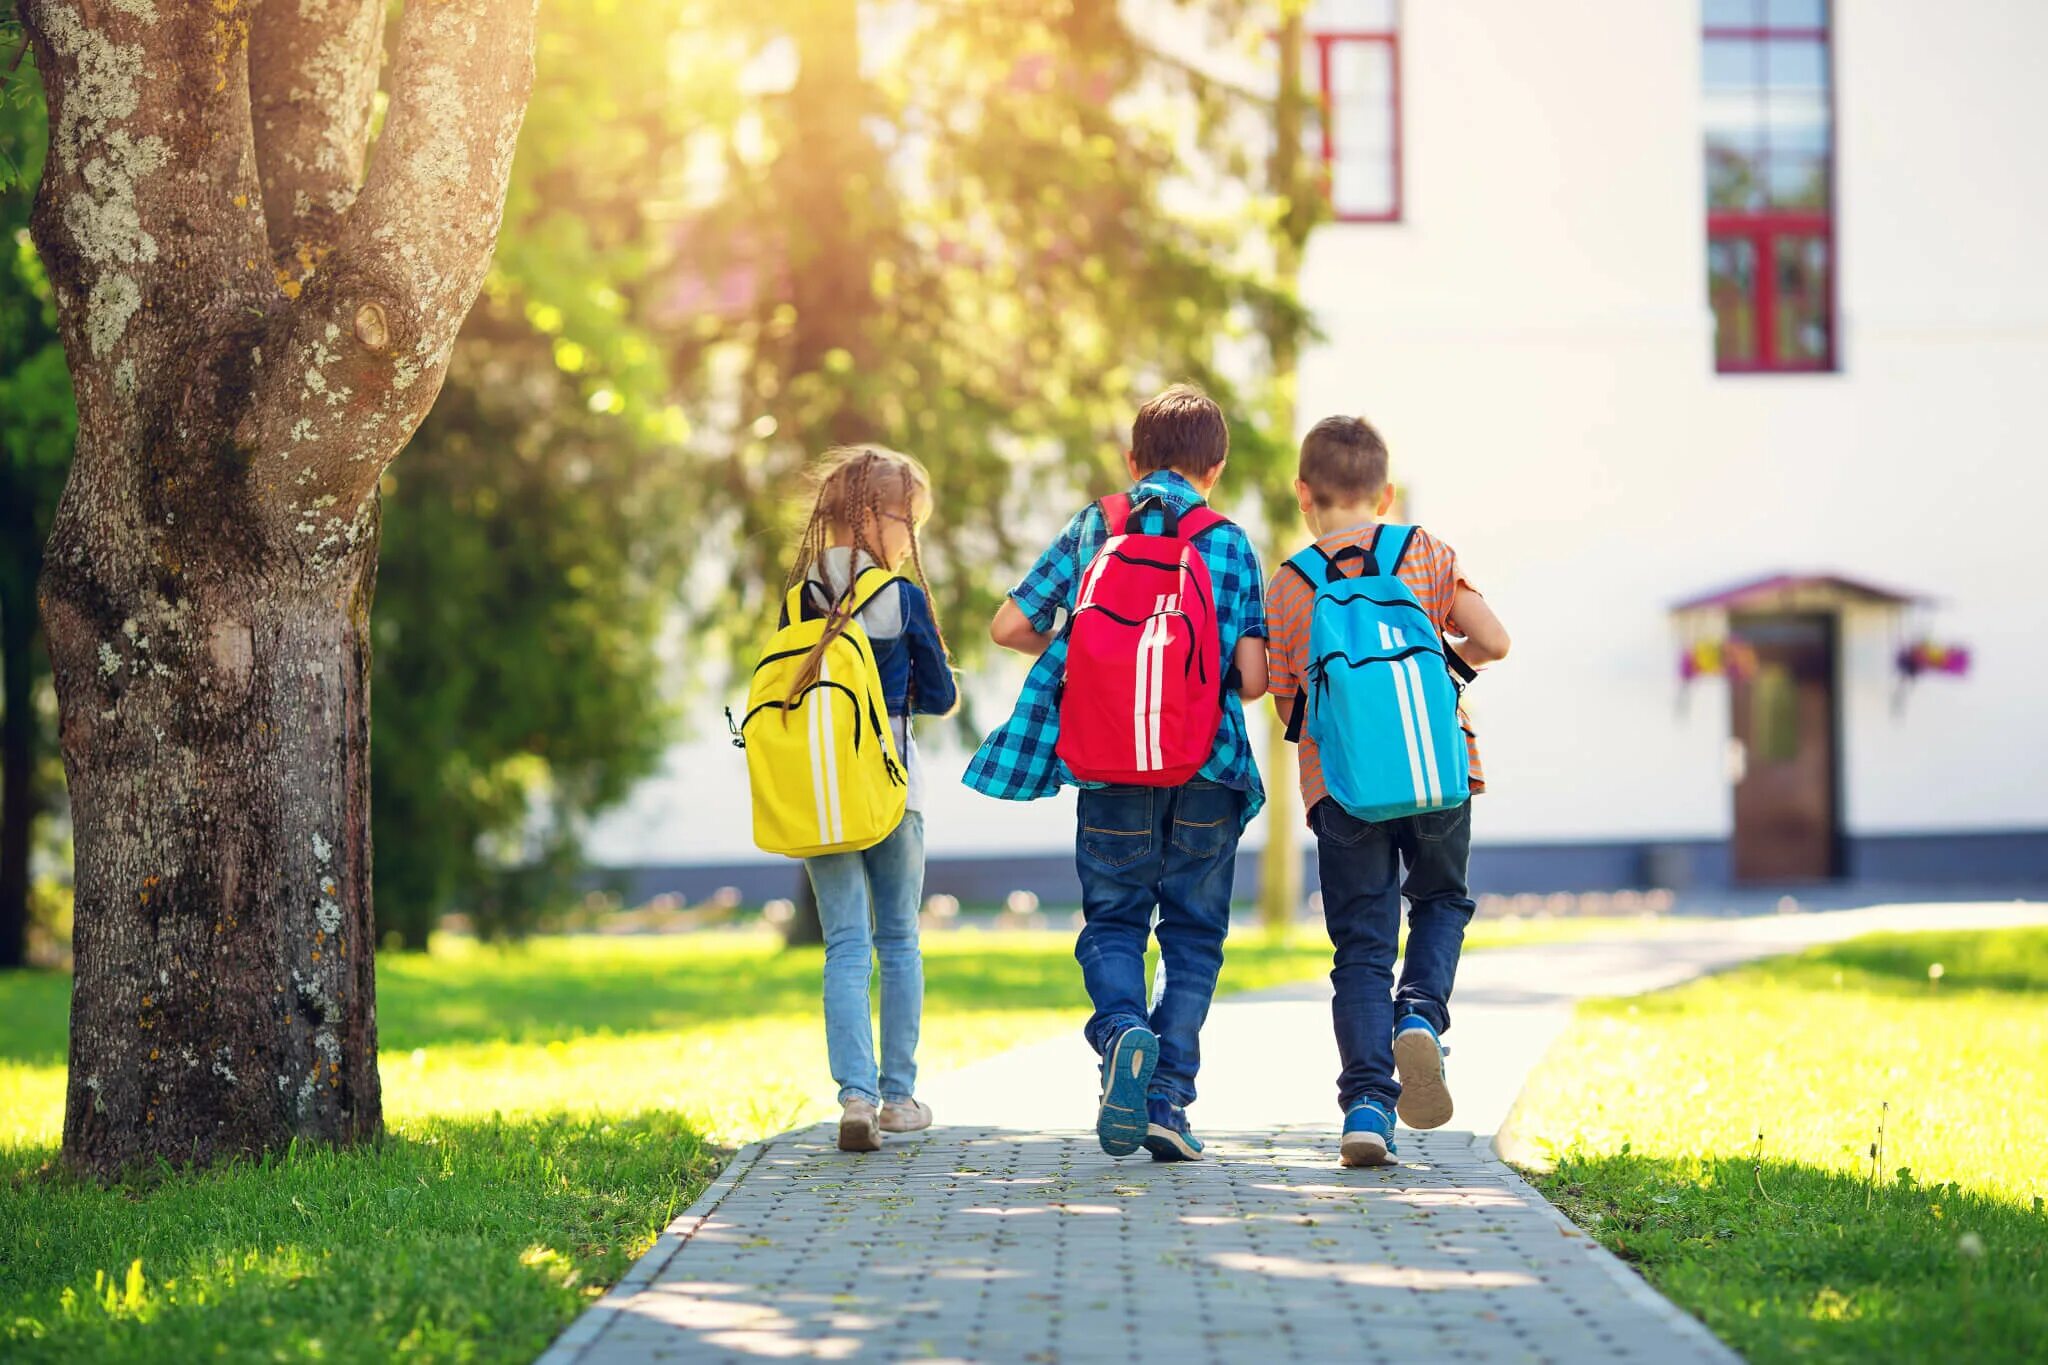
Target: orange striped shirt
1430	569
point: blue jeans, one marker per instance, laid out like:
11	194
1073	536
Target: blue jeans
1362	889
884	884
1173	849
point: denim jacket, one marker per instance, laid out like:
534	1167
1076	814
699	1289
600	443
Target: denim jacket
916	678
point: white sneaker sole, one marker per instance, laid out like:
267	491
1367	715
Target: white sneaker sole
1419	1063
1365	1149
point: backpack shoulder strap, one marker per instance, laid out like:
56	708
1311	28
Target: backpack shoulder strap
793	604
1116	513
1313	565
1199	518
1390	547
869	585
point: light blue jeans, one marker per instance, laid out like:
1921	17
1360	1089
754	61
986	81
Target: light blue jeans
868	903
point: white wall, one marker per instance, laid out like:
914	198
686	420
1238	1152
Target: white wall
1534	342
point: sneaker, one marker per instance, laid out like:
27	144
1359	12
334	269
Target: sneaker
1369	1135
906	1116
1166	1132
1120	1123
860	1127
1419	1065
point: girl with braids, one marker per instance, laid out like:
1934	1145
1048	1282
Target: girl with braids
866	513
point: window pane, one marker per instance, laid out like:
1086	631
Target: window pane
1774	715
1362	72
1802	312
1732	13
1731	285
1357	16
1796	64
1363	186
1363	127
1796	13
1797	180
1734	174
1732	63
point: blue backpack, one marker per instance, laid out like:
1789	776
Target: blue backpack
1377	692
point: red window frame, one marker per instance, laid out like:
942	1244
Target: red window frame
1765	229
1325	41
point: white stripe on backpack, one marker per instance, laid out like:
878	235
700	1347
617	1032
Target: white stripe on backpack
1407	706
828	735
1427	736
1151	680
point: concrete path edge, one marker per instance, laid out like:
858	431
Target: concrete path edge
591	1323
1625	1276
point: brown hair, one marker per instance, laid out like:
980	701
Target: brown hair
1180	429
1343	462
856	488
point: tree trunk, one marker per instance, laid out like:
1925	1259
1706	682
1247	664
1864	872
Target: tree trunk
1280	865
17	756
805	929
216	731
243	378
832	186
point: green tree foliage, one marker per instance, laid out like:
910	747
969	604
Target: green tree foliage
737	234
538	528
37	424
956	233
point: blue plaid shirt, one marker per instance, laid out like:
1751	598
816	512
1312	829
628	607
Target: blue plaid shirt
1017	761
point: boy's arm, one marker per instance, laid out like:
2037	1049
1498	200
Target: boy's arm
1282	669
1012	629
1485	638
1250	660
1025	620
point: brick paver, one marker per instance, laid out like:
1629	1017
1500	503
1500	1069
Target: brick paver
995	1245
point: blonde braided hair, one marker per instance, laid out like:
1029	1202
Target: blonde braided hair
857	487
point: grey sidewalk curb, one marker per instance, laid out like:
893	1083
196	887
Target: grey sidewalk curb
590	1324
1639	1290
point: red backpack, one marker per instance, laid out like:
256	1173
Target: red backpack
1142	699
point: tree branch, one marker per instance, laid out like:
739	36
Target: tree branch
360	358
146	218
312	80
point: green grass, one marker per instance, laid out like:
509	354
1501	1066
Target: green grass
1718	1136
550	1108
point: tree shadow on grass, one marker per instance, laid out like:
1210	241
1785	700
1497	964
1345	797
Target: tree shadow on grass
1787	1261
551	991
446	1240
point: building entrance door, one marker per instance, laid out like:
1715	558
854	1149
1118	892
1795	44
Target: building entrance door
1787	807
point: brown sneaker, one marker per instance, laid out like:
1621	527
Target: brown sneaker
906	1116
859	1130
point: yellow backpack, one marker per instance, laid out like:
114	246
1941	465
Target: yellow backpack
823	763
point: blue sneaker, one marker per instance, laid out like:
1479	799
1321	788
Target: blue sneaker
1126	1072
1419	1065
1166	1132
1368	1135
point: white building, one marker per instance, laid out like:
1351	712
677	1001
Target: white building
1671	296
1652	298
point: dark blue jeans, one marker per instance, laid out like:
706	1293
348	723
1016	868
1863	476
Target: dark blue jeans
1362	889
1173	849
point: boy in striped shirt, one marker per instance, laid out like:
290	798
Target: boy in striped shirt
1344	492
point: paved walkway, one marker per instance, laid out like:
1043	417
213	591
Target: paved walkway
1008	1236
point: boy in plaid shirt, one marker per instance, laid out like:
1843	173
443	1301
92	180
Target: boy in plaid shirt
1141	849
